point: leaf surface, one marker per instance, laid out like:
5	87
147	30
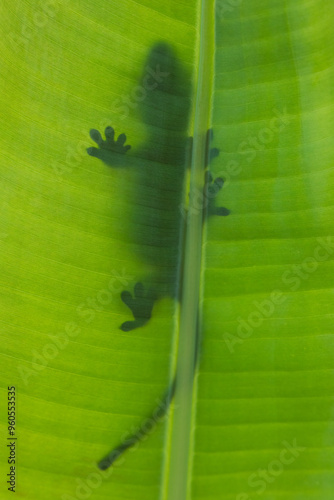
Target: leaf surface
260	75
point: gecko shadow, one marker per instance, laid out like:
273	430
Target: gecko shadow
158	174
159	169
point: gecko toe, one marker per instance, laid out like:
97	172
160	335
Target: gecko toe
139	290
208	177
218	184
214	152
121	140
109	133
96	136
127	326
92	151
222	211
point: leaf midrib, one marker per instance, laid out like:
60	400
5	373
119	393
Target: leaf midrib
178	463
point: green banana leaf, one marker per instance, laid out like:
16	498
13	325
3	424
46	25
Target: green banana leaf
231	289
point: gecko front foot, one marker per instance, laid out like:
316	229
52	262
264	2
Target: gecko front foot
141	305
107	149
211	189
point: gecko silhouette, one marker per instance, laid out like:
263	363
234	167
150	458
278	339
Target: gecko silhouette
159	170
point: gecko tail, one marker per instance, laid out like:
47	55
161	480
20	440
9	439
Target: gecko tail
146	427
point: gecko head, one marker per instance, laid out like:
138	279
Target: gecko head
168	90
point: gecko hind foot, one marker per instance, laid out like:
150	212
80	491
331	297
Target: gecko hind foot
212	188
140	304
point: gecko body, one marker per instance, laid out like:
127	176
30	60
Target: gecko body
159	168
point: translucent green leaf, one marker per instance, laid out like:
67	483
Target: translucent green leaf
230	287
